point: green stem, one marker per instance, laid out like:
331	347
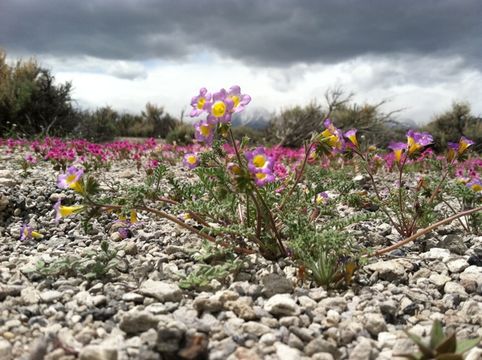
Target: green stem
425	231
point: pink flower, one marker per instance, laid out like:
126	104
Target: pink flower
204	132
239	100
191	160
199	102
220	109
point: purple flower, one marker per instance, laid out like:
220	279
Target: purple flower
220	108
262	178
417	140
475	184
321	198
258	161
204	132
70	179
27	233
191	160
351	135
333	136
239	100
398	148
199	102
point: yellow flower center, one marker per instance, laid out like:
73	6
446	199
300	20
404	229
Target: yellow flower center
191	159
260	176
219	109
477	187
200	103
70	179
205	130
259	161
236	100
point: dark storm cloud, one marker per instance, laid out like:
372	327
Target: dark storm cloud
265	32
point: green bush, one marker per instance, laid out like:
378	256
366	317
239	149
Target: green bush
182	134
454	123
30	101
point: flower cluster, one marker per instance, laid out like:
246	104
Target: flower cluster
416	141
260	165
219	108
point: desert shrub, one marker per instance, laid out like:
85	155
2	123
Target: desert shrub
98	126
295	125
31	103
182	134
255	136
452	124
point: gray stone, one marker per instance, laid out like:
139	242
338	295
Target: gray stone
452	287
5	350
276	284
50	296
457	265
97	352
162	291
134	297
436	253
169	336
374	323
321	345
10	290
282	305
390	270
135	321
439	280
364	350
453	243
4	201
242	307
255	328
284	352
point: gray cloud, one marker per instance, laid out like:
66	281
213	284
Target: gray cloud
268	32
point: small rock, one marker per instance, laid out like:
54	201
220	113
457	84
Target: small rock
436	253
321	345
284	352
169	335
49	296
135	321
364	350
97	352
162	291
10	290
276	284
452	287
453	243
391	270
134	297
5	349
255	328
242	308
439	280
375	323
457	265
282	305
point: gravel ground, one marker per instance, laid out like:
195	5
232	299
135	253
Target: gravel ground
262	313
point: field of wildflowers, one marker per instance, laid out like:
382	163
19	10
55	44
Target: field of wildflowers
299	210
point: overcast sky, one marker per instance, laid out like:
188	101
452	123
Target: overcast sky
420	55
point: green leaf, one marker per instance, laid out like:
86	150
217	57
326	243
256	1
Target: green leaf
436	335
426	351
448	345
465	345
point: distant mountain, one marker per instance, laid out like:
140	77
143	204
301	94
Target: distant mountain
256	119
404	124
